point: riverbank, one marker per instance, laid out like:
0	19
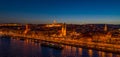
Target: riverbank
77	43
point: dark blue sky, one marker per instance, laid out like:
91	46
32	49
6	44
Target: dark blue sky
69	11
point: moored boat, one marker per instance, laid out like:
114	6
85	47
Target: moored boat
52	45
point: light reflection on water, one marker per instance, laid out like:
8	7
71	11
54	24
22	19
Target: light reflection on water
18	48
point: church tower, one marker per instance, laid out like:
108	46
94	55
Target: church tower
64	29
26	29
105	27
54	22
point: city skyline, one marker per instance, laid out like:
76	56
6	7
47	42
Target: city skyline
68	11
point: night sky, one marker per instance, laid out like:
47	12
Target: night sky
69	11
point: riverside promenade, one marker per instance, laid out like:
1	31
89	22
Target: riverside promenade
67	41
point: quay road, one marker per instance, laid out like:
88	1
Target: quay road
67	41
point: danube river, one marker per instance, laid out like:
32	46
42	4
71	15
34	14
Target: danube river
26	48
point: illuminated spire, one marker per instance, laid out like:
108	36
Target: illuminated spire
105	28
54	21
27	29
64	29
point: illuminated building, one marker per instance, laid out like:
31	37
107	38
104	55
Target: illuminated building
55	24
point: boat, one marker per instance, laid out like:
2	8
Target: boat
52	45
37	41
5	36
22	39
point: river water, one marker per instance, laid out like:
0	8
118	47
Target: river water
19	48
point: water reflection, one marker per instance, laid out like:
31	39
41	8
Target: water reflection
27	48
80	52
117	55
110	55
99	53
90	52
103	54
